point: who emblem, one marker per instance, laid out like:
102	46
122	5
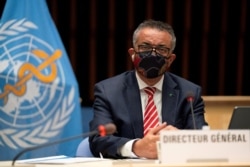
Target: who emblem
35	102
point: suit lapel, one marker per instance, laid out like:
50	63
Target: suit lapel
169	103
169	100
134	106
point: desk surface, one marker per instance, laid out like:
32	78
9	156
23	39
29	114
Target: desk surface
130	163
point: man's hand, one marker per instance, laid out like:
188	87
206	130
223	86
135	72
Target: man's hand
146	147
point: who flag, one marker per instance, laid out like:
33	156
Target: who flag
39	96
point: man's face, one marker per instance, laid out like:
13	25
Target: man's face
156	40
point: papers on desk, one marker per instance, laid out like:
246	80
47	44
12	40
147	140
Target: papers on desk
62	159
59	161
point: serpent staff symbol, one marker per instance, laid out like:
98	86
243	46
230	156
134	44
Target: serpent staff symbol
28	70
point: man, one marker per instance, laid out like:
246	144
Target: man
123	99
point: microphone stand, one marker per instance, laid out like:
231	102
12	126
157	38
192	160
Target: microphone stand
52	143
190	99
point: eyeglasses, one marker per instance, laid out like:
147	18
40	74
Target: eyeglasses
158	49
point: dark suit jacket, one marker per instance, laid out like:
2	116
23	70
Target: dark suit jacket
117	100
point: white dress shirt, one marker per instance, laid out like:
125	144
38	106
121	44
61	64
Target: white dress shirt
126	149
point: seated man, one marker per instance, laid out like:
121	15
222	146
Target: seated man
146	100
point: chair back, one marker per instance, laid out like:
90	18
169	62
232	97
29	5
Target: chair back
83	149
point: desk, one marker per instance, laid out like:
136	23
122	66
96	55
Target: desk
126	163
130	163
219	109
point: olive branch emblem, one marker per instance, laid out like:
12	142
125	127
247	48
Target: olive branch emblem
15	138
14	27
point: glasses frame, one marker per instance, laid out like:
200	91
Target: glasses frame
162	50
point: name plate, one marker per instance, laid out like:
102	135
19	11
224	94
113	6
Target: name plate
204	146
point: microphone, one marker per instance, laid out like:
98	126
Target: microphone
190	99
102	130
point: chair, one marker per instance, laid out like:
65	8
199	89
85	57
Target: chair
83	149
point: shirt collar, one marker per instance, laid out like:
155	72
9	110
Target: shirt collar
142	84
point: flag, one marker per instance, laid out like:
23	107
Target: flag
39	96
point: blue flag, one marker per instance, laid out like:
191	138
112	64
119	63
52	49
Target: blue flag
39	96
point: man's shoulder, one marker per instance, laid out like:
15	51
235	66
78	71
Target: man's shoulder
181	81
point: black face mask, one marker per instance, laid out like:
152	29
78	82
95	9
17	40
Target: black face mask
149	65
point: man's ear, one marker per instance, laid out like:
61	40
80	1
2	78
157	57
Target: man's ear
131	52
171	59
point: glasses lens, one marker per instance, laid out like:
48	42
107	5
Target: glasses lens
145	48
160	49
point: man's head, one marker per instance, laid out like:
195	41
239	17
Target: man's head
153	45
158	25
